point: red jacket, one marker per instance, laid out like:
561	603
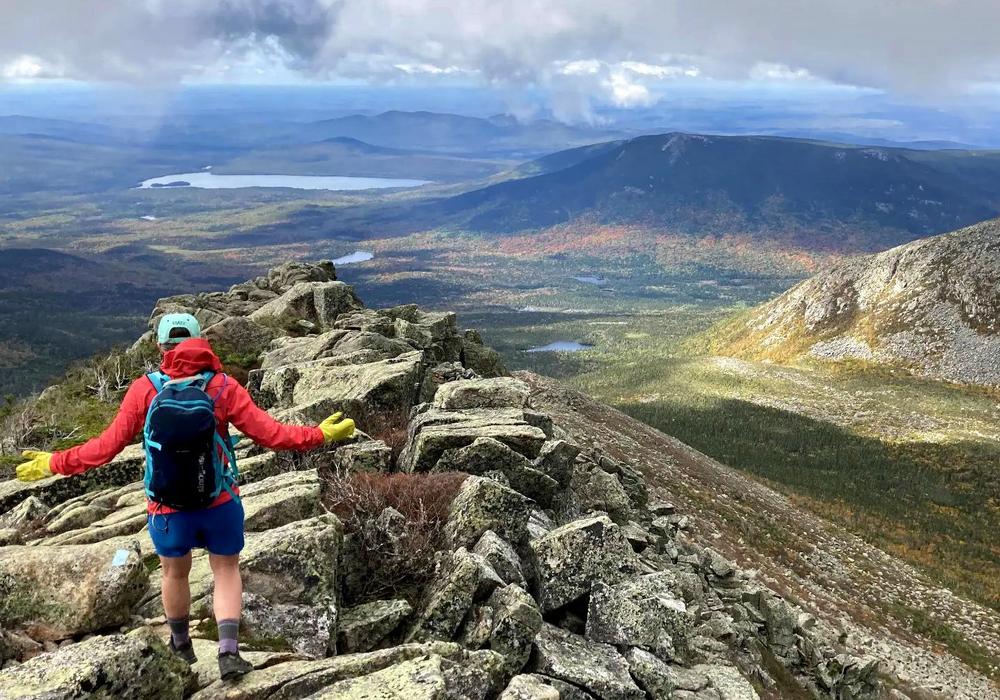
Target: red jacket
234	405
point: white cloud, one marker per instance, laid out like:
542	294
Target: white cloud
625	92
427	69
588	67
609	51
661	71
24	67
779	72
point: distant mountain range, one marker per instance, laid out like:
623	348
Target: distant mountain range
58	155
827	194
451	133
931	306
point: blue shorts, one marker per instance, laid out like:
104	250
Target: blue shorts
218	529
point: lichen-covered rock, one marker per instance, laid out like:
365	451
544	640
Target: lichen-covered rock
528	687
280	500
30	510
434	431
361	390
75	518
482	505
443	373
499	553
484	360
337	347
498	392
845	675
597	668
137	666
556	459
417	679
486	455
464	579
319	303
653	675
364	456
306	629
240	339
597	490
728	682
571	559
364	627
516	620
129	520
58	592
286	275
297	679
640	612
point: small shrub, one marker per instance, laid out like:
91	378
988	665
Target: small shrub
395	556
390	427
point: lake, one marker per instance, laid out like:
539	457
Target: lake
561	346
355	257
210	181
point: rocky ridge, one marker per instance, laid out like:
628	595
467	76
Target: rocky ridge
560	576
931	306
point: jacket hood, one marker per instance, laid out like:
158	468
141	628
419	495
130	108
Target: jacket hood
189	358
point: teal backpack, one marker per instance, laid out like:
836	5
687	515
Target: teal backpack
188	463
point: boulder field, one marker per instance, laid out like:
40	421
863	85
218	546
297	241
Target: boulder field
555	577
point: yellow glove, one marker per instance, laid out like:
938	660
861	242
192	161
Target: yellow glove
35	469
336	430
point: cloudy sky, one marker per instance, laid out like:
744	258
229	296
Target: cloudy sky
627	53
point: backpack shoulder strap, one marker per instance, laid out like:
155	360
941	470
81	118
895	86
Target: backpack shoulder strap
157	379
205	378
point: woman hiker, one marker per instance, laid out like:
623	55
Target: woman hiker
184	412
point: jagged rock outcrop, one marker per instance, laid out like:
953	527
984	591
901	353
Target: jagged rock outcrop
553	576
137	666
931	306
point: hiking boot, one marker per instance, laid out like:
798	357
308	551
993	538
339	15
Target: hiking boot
185	651
233	666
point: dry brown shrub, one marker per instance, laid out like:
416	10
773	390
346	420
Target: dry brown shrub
395	555
390	427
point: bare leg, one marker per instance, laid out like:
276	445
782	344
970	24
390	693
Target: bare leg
176	590
228	586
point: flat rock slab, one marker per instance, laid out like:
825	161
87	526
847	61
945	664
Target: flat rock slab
298	679
499	392
434	431
363	627
528	687
417	679
58	592
597	668
317	390
124	469
137	666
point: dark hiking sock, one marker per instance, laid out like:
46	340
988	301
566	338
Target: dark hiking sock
229	632
179	630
